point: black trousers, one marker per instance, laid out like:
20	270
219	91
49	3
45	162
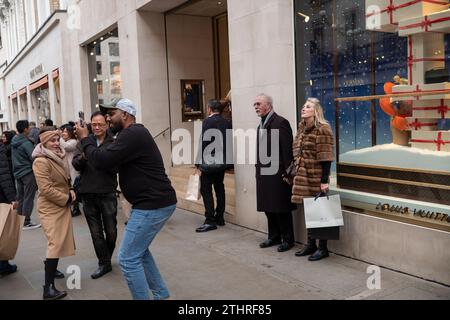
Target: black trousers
280	227
207	181
100	211
26	190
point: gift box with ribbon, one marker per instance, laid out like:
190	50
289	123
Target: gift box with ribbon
385	15
416	124
431	140
434	22
415	92
432	109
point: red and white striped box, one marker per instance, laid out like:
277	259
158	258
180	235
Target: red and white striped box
435	22
431	140
414	92
385	15
416	124
425	52
381	16
432	109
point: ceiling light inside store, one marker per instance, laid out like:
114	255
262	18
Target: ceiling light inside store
92	53
304	16
95	80
101	39
311	82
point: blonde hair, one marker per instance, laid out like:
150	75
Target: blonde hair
319	118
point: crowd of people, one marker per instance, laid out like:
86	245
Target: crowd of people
80	163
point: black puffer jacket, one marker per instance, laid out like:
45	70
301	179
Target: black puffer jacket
7	188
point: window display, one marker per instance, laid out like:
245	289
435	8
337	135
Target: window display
381	71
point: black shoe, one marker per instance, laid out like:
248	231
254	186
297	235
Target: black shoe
76	211
319	254
206	228
269	243
221	222
306	251
285	247
59	275
51	293
101	271
10	268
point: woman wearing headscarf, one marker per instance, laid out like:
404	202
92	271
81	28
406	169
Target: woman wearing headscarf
54	198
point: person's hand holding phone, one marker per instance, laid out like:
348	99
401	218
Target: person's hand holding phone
81	117
80	127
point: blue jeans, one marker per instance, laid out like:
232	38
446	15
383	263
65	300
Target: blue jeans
135	259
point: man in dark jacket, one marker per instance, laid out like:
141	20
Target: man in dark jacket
22	149
98	194
7	195
144	183
272	192
214	132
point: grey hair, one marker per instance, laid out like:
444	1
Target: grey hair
266	97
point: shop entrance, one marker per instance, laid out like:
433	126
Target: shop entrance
198	70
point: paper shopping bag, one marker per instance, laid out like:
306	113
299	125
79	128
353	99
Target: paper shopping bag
323	212
193	188
10	228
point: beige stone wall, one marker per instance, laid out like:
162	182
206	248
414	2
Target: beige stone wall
262	60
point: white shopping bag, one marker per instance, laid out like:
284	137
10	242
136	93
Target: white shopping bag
323	212
193	188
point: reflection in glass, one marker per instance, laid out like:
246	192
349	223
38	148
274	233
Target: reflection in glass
104	69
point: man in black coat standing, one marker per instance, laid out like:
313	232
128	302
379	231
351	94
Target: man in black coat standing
211	166
273	194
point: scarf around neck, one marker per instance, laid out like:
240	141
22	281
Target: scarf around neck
59	158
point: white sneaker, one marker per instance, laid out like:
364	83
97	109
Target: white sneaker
31	226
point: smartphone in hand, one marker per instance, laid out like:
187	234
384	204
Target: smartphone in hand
81	117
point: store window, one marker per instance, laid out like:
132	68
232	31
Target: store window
114	49
104	69
99	68
393	152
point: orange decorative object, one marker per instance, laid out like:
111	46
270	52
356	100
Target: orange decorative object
400	123
385	104
388	87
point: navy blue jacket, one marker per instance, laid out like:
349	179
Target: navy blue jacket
219	123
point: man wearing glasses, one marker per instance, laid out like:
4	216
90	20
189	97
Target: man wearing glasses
98	194
144	183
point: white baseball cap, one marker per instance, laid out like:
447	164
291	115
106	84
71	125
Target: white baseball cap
125	105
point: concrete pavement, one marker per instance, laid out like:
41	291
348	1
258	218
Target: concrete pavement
225	264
